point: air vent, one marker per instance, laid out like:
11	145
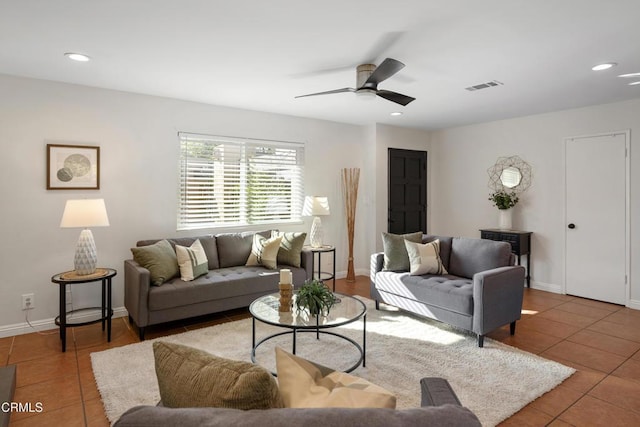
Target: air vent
486	85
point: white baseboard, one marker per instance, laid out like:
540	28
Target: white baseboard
48	324
549	287
635	304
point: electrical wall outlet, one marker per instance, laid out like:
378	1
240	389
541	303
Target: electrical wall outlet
28	301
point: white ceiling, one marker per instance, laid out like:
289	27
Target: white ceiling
260	54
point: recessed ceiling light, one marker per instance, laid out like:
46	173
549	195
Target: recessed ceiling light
630	75
604	66
396	113
77	57
634	83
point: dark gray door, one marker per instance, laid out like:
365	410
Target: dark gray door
407	191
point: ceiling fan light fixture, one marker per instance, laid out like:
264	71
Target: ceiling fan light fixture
365	93
603	66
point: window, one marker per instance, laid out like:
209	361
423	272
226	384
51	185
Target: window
233	181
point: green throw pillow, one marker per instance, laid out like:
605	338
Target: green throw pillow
159	259
396	257
290	247
189	378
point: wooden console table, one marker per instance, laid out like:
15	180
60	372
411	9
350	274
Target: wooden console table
520	243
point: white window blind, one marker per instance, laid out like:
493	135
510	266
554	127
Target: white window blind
233	181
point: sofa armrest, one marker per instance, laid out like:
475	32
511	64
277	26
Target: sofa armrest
437	391
376	264
306	262
497	297
137	282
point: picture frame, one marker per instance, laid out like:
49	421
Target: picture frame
73	167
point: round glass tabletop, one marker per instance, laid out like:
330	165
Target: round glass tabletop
347	310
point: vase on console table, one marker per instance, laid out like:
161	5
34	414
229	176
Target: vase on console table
505	219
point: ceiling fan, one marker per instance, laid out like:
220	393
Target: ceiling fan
368	76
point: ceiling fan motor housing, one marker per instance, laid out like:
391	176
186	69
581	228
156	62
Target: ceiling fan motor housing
363	72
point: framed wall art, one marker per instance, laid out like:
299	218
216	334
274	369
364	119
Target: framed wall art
73	167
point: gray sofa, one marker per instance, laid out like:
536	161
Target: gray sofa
229	283
439	407
482	291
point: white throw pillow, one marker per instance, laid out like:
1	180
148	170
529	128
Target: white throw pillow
304	385
192	261
425	258
264	251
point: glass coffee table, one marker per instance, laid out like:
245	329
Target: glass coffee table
347	310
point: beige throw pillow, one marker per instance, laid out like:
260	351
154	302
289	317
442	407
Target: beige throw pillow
425	259
188	377
264	251
192	261
305	385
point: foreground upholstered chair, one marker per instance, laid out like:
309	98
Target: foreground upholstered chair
440	407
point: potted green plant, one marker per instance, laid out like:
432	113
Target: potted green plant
316	297
503	199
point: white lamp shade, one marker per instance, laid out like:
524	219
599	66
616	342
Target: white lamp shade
84	213
315	206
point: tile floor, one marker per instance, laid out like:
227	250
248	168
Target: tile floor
602	341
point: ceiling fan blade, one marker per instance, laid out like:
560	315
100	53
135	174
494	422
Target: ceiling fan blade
386	69
329	92
396	97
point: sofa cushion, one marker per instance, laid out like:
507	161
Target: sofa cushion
208	243
192	261
264	251
218	284
159	259
304	385
395	252
234	248
290	247
471	256
448	292
189	377
425	258
445	247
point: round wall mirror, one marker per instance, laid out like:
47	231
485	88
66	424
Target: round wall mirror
510	177
510	174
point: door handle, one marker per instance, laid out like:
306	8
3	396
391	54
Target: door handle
572	226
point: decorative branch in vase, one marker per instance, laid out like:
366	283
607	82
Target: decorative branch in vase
350	179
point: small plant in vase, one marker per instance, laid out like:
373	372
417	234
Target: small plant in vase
503	200
316	297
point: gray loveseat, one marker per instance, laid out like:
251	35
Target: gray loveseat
229	283
482	291
439	407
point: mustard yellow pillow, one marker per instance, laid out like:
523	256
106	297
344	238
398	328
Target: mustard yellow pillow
304	385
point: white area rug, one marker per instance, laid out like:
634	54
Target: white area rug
494	382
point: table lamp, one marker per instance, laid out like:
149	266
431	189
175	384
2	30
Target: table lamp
315	206
85	213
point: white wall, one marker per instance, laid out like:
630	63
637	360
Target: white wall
459	180
139	150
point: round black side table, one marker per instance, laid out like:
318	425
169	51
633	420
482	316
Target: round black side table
102	275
